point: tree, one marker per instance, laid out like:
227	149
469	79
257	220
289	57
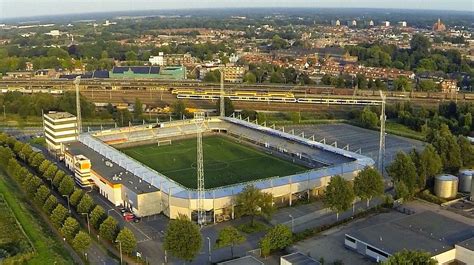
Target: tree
228	107
212	76
250	78
339	195
467	151
229	236
58	178
402	84
179	109
368	119
401	190
420	43
410	257
403	169
277	238
81	242
50	172
97	216
368	184
50	204
67	186
138	109
58	215
43	166
42	194
32	184
253	202
36	160
447	147
86	204
70	228
183	239
75	197
108	229
127	239
430	165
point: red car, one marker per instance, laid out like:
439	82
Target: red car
128	217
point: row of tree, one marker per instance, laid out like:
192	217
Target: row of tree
41	193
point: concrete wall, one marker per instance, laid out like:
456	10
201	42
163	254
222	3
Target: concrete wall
464	255
446	257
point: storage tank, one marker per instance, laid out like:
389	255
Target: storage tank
446	186
465	180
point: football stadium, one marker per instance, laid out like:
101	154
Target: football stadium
151	168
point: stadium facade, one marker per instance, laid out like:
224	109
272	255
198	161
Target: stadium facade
127	182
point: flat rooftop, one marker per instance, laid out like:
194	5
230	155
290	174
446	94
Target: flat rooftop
300	259
426	231
468	244
109	170
247	260
60	115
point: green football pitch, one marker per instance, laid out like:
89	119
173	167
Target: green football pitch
226	162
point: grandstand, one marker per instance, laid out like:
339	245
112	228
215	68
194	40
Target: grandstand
172	198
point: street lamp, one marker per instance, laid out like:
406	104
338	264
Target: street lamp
68	205
88	225
209	247
292	222
120	248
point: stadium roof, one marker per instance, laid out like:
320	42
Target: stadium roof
426	231
114	174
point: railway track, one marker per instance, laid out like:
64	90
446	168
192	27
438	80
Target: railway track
159	92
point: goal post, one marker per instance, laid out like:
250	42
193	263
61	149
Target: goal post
163	142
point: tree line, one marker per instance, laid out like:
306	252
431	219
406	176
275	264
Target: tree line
21	163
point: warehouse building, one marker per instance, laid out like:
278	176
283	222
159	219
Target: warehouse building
146	72
59	128
446	239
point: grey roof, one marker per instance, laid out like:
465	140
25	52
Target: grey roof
426	231
247	260
469	244
115	173
298	258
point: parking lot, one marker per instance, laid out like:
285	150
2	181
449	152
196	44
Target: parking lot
329	245
367	141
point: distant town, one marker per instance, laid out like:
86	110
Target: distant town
238	136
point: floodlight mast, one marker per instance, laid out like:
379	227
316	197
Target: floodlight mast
383	118
199	119
77	81
222	92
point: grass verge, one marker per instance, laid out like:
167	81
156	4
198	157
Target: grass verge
49	250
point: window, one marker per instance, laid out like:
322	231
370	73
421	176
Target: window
381	253
350	239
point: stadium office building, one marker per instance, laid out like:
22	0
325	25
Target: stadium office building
125	181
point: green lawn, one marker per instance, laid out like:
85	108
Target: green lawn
12	238
226	162
48	249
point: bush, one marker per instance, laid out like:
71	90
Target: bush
248	228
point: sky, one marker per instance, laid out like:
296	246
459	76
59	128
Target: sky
28	8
